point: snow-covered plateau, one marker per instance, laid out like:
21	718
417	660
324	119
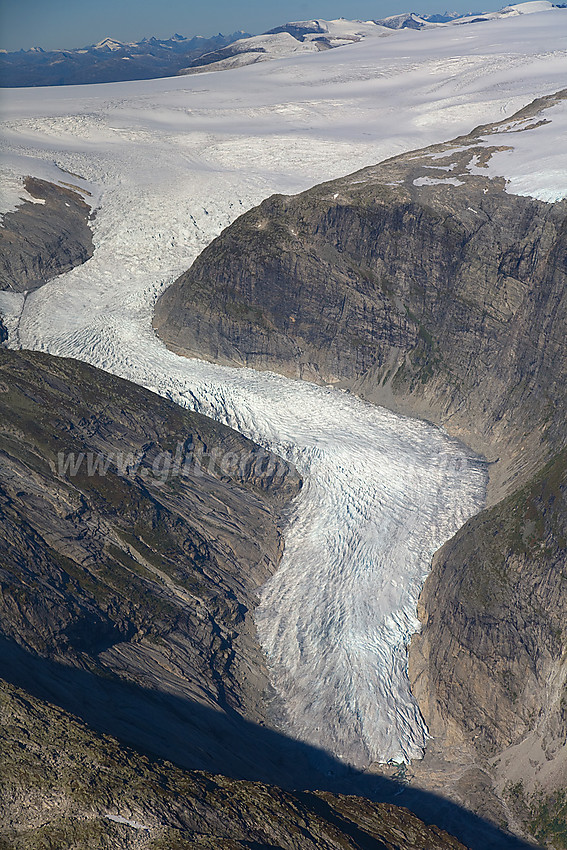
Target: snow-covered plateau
169	163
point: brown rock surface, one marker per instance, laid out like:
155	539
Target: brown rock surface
135	586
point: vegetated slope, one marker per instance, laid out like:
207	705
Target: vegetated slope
43	239
61	784
421	284
136	585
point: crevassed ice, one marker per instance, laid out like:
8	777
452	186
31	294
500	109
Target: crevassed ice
381	492
177	160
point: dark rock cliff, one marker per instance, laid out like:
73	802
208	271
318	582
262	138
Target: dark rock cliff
423	285
440	299
142	579
489	669
41	240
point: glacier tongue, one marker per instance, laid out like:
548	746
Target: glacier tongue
382	492
176	161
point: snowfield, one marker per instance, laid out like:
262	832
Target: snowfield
170	163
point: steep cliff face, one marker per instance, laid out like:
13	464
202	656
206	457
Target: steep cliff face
43	239
489	669
133	536
423	285
415	283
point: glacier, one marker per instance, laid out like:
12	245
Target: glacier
170	163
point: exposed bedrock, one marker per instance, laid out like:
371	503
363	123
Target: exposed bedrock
133	537
43	239
444	299
422	285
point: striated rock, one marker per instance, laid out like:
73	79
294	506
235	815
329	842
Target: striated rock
135	579
41	240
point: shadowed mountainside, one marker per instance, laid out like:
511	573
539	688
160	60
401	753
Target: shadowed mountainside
47	800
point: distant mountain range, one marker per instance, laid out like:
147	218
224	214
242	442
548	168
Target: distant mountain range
315	35
113	61
108	61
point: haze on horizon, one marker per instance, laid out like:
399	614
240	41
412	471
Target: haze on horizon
66	24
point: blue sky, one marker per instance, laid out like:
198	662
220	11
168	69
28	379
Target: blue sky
76	23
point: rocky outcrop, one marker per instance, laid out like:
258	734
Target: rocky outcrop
489	669
423	285
87	791
439	296
133	537
44	239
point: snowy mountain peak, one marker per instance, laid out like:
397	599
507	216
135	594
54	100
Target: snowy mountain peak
530	7
406	20
109	44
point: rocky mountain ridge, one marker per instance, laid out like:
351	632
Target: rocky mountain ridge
108	61
421	277
133	536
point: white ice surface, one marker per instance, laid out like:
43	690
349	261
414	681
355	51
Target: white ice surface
176	160
126	821
535	163
13	193
437	181
530	8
